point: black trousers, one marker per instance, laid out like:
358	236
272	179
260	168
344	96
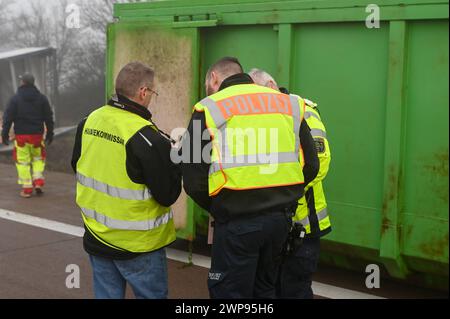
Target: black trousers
246	256
296	271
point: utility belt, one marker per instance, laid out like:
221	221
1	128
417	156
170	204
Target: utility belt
287	211
297	233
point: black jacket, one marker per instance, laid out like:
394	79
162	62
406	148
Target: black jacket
230	204
28	110
146	163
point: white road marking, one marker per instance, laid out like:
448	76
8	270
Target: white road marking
183	256
320	289
42	223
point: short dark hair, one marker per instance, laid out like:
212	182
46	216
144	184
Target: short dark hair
226	66
132	77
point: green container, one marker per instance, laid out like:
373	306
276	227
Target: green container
382	92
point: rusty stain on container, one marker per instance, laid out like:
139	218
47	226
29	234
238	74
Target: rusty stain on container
440	164
439	168
436	248
389	197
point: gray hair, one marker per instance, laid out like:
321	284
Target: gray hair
261	77
132	77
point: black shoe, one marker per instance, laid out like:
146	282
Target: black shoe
38	191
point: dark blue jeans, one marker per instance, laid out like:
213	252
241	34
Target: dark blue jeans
296	271
146	274
246	255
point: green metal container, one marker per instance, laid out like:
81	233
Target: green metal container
382	93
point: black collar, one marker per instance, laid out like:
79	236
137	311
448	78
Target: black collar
126	104
284	90
240	78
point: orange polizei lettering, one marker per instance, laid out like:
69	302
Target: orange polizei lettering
254	107
284	104
251	104
226	106
241	104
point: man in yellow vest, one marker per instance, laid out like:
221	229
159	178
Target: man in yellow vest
126	183
297	269
247	154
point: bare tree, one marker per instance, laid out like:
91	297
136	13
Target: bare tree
99	12
2	10
3	6
80	52
5	35
96	16
38	26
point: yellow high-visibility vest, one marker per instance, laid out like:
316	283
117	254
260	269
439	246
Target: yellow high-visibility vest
312	208
255	138
117	211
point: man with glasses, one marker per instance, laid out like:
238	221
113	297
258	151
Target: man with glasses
126	184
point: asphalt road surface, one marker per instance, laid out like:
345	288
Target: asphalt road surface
33	261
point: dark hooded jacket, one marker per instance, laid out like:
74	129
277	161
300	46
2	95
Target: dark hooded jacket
28	110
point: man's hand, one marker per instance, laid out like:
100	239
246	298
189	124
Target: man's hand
49	139
5	140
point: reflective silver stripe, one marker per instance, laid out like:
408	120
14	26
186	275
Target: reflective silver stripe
297	121
214	110
308	114
250	160
318	132
128	225
145	139
113	191
23	163
220	122
39	158
26	182
320	216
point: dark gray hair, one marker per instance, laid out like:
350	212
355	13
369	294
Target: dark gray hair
226	66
